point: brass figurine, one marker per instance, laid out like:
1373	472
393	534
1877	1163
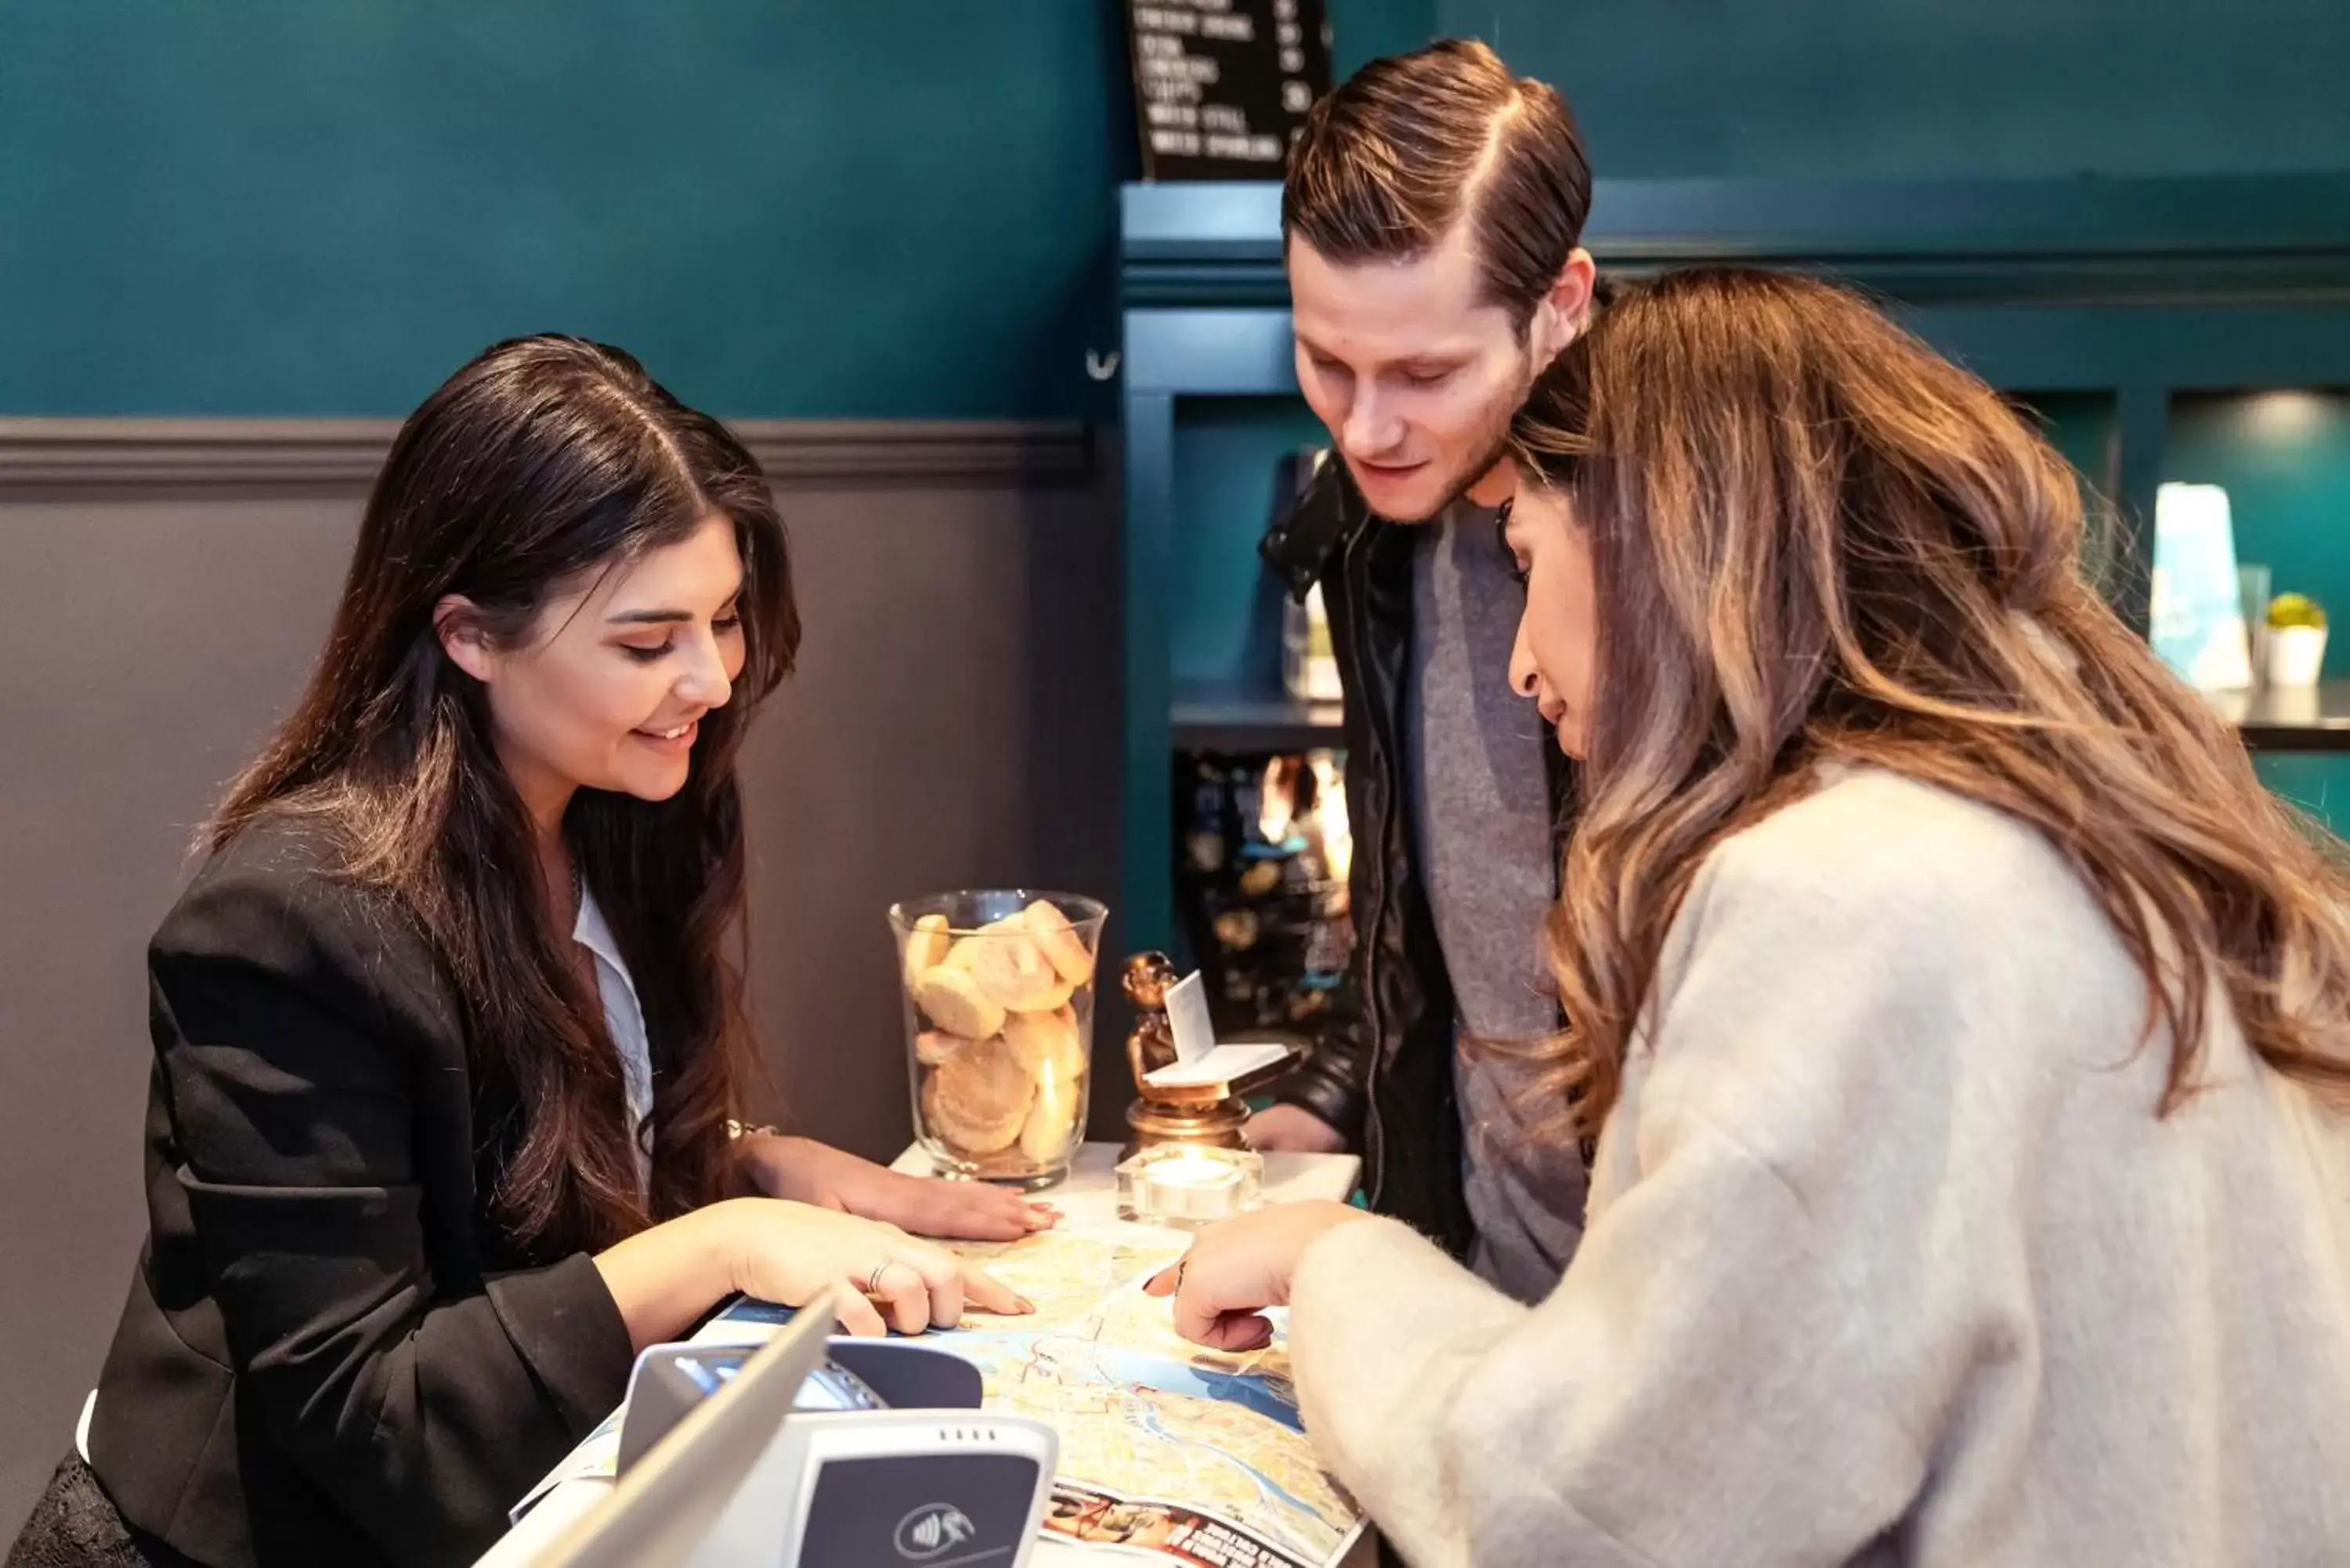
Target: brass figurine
1205	1114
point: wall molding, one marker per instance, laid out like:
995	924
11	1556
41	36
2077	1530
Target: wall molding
135	456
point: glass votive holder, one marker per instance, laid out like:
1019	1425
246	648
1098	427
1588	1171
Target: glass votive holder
1188	1184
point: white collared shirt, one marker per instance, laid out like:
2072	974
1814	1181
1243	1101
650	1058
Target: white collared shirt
624	1020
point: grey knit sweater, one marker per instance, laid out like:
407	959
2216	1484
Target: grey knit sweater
1889	1259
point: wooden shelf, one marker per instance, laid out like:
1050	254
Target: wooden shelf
2291	718
1211	718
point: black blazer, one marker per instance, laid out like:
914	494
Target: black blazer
329	1355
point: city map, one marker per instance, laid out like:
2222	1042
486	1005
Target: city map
1192	1455
1169	1453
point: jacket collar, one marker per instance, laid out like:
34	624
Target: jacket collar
1327	514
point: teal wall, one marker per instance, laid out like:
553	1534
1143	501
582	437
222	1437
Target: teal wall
794	207
2317	782
785	207
2085	429
1225	607
1365	29
1923	89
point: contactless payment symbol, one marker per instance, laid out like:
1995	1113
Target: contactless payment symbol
932	1529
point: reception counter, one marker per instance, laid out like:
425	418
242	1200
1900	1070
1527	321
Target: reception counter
1088	1204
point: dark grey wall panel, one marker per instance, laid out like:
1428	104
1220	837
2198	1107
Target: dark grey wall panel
955	721
144	648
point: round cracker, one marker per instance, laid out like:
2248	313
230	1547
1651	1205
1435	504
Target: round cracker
956	1002
983	1083
966	1135
1058	941
1009	967
926	947
1046	1039
933	1046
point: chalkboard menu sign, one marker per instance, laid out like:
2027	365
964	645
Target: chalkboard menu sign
1220	87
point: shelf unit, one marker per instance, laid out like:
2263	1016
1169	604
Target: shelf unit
2113	295
1223	717
2311	719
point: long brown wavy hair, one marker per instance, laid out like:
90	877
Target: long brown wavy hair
1815	540
542	463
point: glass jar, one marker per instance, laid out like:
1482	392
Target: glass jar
998	987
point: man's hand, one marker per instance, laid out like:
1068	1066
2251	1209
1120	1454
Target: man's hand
1293	1130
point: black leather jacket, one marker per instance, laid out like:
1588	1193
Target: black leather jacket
1384	1081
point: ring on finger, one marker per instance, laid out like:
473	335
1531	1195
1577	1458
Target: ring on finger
873	1279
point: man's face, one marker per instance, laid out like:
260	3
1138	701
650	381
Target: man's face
1416	375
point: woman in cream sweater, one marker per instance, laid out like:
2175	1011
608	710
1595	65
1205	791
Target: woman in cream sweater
1962	1026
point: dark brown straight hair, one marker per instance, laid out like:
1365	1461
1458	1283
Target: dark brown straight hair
545	462
1814	540
1407	148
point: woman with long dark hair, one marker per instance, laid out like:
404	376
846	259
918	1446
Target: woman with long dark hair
451	1053
1965	1032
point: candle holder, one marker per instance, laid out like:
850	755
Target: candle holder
1188	1184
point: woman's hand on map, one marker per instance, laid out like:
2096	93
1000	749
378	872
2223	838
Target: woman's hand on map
666	1276
787	1252
806	1171
1240	1267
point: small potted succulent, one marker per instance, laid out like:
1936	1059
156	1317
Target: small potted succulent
2296	640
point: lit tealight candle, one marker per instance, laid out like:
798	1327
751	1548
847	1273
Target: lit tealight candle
1183	1185
1194	1185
